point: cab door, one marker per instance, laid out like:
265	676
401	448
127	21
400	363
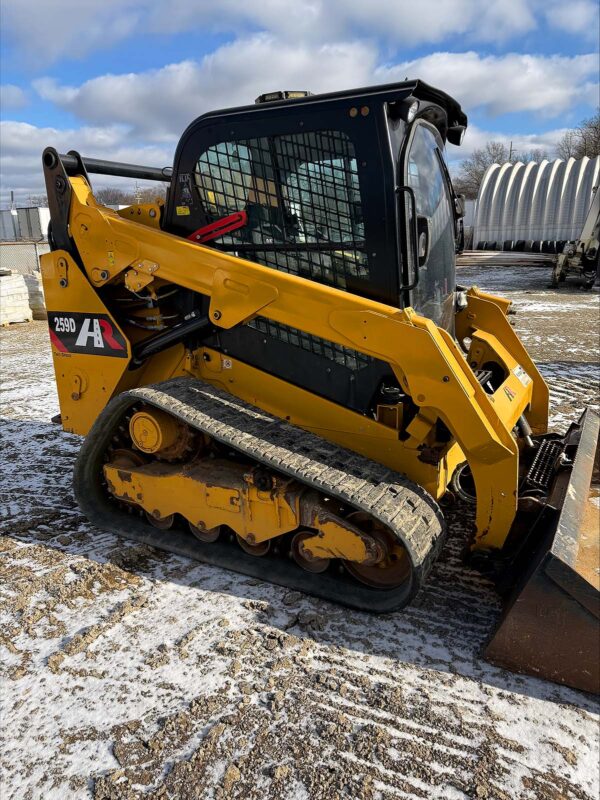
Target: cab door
432	278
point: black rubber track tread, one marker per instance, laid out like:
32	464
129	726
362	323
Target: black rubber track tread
405	508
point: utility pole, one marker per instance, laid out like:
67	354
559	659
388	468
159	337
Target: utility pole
14	216
510	152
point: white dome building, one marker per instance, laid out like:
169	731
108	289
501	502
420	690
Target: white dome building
534	207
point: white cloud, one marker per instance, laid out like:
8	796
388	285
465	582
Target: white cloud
158	104
44	31
576	17
399	22
139	117
12	97
22	144
476	138
547	85
47	31
496	22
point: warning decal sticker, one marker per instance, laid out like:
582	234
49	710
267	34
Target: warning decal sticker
522	375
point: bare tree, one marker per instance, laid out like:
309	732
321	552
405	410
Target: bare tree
109	195
567	145
471	170
151	193
537	155
37	200
112	196
584	140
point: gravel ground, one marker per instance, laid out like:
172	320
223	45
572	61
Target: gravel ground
130	673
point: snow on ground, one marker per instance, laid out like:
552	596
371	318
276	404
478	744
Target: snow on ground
131	673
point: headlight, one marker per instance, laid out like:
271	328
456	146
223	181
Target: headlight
412	111
271	97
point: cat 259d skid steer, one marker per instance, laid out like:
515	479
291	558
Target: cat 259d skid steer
276	373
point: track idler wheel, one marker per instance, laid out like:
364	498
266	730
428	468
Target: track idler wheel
393	569
260	549
303	558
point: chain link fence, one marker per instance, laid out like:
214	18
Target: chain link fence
22	257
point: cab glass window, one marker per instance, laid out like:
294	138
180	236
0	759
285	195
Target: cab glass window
433	296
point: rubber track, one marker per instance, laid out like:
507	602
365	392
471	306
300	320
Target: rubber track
406	509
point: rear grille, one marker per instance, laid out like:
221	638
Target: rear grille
542	469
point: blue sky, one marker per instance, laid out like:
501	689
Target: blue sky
120	79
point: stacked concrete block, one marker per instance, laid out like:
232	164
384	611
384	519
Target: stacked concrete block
14	299
36	296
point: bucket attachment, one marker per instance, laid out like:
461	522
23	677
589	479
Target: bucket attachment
550	627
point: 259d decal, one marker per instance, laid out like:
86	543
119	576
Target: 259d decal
92	334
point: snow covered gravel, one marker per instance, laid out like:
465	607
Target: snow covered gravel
130	673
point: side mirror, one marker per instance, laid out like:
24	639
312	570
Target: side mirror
459	205
423	239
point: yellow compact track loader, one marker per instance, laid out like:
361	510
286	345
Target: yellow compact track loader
276	373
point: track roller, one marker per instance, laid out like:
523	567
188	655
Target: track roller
393	570
259	549
303	557
162	523
206	535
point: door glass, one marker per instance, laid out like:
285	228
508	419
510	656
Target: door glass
433	296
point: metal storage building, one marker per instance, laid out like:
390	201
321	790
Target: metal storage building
24	223
534	207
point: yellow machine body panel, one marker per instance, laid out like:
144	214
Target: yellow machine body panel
343	426
85	381
426	360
